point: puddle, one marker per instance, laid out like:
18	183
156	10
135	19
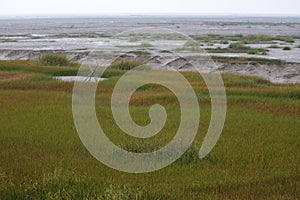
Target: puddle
78	78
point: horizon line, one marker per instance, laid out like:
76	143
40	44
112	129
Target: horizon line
84	15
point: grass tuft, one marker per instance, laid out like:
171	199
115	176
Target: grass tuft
126	64
286	48
274	46
53	59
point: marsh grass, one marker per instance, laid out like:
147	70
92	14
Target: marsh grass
168	51
287	48
141	53
7	40
42	156
245	59
238	47
126	64
274	47
146	44
247	39
53	59
145	36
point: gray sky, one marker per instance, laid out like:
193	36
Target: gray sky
79	7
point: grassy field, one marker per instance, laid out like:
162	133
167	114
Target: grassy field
42	157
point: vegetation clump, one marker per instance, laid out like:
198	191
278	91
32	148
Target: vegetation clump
53	59
242	48
286	48
141	53
145	44
247	39
239	47
274	47
126	64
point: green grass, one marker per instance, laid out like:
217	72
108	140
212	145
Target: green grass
274	47
246	59
267	38
7	40
126	64
146	44
242	48
247	39
141	53
165	51
145	36
42	157
238	47
53	59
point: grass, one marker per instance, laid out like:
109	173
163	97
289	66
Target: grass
145	44
286	48
53	59
141	53
7	40
267	38
190	45
247	39
126	64
241	47
165	51
42	157
246	59
238	47
145	36
274	47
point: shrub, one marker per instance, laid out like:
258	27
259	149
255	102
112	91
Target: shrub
53	59
286	48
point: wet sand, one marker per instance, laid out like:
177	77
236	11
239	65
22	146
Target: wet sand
28	38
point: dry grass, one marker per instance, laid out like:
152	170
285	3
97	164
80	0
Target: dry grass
7	76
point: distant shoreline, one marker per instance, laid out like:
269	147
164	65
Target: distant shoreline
161	15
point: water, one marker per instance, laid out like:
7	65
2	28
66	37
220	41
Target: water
78	79
187	25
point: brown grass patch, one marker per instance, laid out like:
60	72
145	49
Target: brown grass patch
7	76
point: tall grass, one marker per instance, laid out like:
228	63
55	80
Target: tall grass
126	64
53	59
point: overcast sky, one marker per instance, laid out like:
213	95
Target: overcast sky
102	7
